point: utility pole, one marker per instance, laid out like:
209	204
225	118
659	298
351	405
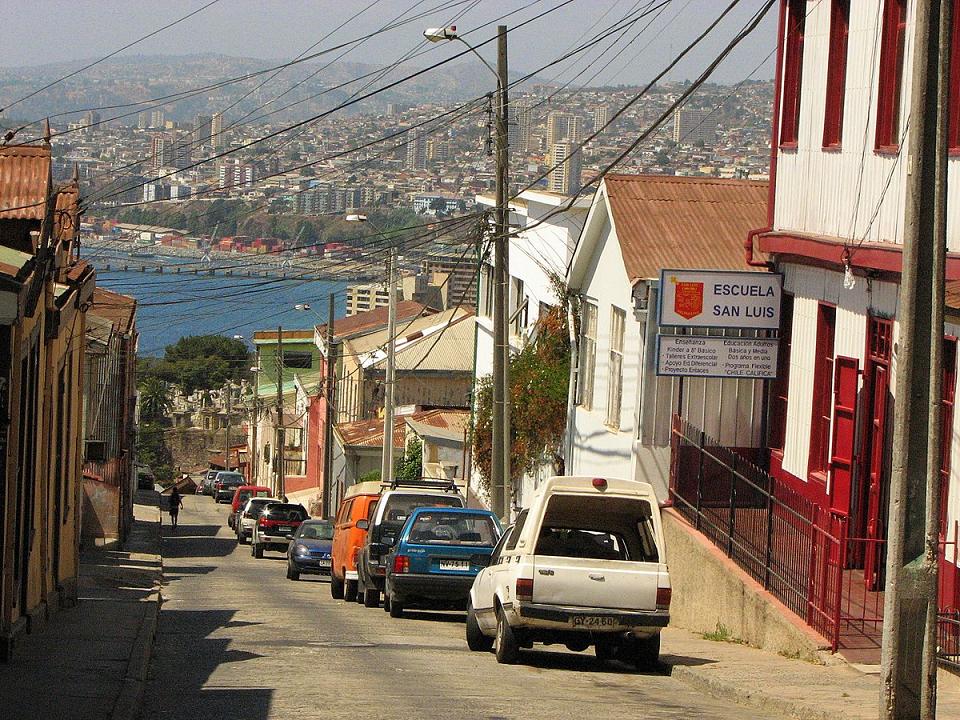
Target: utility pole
281	439
226	430
386	465
331	361
908	670
255	422
500	465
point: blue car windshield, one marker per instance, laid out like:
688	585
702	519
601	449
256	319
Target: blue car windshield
316	531
440	528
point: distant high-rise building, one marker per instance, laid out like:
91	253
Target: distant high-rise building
92	120
157	119
216	131
564	126
693	125
234	174
143	120
183	151
565	175
519	130
438	150
416	151
202	129
161	151
601	116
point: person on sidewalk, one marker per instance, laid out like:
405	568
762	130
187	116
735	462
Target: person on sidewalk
176	502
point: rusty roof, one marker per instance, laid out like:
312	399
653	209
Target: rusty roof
119	309
269	336
369	433
666	221
374	319
66	224
952	294
24	175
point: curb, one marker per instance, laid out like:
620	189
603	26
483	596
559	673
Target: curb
755	698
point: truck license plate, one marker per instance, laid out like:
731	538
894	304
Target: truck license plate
285	530
454	564
597	621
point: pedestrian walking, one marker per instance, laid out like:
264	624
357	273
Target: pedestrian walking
176	502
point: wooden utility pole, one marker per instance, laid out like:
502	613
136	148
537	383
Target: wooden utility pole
501	490
386	463
281	434
908	670
331	360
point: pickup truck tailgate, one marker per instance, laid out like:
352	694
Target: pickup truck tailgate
613	584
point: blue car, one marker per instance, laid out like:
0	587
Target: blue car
436	556
309	549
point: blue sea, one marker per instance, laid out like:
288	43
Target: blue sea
171	305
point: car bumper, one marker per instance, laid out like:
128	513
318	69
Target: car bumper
431	587
561	617
273	540
309	565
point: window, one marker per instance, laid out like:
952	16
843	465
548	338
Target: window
836	74
615	381
486	307
892	41
781	386
294	359
517	530
518	305
588	354
822	392
953	132
792	72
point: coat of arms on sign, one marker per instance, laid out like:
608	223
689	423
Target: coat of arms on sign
687	298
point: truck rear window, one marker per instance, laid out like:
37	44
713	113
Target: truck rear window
399	507
439	528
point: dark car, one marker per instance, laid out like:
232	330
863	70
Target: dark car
225	484
275	526
309	549
437	555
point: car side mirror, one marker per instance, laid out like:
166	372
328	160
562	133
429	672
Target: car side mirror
363	524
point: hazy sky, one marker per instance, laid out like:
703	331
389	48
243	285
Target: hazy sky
44	31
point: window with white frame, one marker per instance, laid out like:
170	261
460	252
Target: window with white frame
615	375
588	354
486	281
518	305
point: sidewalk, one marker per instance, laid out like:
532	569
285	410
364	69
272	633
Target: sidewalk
792	688
90	662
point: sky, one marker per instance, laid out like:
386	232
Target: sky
45	31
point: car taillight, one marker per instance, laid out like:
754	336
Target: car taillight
663	598
262	521
401	564
524	588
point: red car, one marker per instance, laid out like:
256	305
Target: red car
275	527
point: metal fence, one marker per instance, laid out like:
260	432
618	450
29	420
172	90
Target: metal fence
948	639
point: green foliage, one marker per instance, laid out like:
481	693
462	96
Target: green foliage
539	379
372	476
154	398
152	450
199	362
409	466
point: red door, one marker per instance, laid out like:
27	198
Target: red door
846	374
876	490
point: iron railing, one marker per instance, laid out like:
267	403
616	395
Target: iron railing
948	639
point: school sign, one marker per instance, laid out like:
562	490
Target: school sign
720	299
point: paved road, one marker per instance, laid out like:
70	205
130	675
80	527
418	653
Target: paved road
238	640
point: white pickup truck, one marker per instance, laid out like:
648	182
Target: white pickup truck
583	565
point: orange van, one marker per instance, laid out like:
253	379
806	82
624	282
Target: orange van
357	504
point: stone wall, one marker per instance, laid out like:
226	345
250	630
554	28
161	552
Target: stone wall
190	447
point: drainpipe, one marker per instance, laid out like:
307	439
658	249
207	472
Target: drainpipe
748	244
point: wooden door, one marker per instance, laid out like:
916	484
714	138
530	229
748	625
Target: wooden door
876	481
842	458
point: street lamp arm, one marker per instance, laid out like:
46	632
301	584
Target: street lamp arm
489	66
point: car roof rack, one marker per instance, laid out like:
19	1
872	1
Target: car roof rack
425	483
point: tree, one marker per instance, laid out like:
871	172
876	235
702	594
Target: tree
154	398
439	205
409	467
199	362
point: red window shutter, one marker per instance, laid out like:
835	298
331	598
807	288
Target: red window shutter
836	74
845	381
780	387
818	462
792	72
893	37
947	398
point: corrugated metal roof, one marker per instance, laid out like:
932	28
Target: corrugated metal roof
24	174
118	309
449	349
14	258
407	331
369	433
665	221
374	319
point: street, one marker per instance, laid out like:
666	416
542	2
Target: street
237	640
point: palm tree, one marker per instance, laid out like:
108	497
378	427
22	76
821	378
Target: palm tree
154	398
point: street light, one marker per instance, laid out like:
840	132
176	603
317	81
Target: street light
502	492
386	462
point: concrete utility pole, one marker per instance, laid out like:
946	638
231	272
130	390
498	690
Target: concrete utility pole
328	388
255	422
386	465
909	672
500	464
281	434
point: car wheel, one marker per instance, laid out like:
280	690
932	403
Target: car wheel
258	551
606	649
336	587
350	591
386	602
371	597
645	654
476	640
505	643
396	608
292	574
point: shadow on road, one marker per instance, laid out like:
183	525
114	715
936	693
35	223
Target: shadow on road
435	615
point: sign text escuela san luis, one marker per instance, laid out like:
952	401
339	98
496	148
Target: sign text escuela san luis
719	299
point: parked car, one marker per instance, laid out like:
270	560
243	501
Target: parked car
310	548
240	497
391	512
275	526
584	565
357	504
206	485
224	485
437	555
248	516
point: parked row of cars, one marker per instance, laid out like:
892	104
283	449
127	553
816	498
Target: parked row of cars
583	565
